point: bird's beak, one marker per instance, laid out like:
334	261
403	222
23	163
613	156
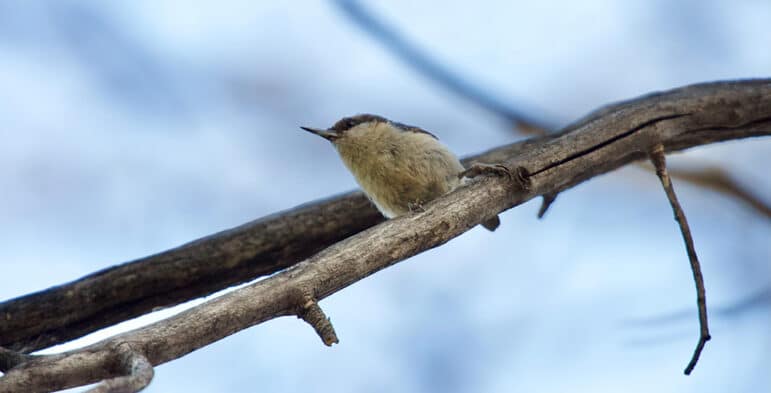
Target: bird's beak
329	135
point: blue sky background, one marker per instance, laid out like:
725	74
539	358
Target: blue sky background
132	127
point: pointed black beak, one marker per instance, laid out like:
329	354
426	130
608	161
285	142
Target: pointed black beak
326	134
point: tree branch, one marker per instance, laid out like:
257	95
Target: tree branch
678	119
196	269
659	161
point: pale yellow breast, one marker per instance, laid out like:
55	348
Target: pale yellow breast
401	170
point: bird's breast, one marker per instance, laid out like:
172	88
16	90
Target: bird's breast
398	181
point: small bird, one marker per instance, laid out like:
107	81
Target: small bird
399	167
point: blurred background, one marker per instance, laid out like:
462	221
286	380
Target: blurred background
128	128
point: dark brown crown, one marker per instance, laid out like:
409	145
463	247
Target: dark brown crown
347	123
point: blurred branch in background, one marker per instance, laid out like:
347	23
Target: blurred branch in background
712	178
760	299
434	70
717	179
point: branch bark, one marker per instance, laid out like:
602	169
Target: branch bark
676	120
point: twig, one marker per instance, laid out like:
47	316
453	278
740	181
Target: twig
546	202
138	372
432	69
659	161
313	314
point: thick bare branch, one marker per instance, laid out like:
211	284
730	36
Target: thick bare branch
659	162
196	269
678	119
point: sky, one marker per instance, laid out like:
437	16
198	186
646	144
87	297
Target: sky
133	127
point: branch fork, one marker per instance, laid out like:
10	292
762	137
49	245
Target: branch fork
136	369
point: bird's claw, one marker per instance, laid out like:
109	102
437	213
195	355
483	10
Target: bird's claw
519	175
415	207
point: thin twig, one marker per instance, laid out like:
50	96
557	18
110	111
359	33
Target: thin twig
659	161
546	202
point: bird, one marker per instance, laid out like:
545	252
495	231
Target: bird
399	167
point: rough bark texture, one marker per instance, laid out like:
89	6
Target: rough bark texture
603	141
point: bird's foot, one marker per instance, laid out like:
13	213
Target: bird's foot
415	207
519	175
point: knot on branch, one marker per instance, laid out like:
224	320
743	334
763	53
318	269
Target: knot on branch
136	369
522	178
310	312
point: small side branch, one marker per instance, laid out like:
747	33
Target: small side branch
546	202
10	359
313	314
659	161
138	372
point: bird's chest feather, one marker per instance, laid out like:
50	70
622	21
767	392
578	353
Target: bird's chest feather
397	180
